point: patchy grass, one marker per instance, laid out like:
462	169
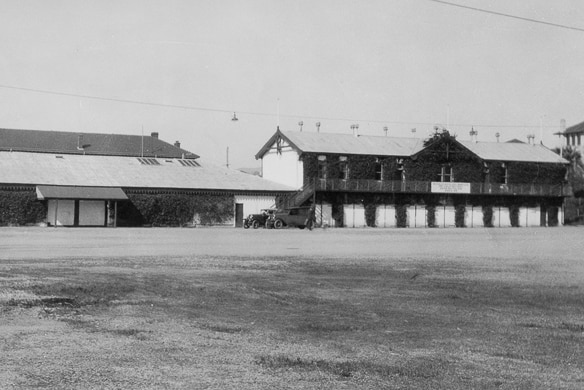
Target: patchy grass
293	322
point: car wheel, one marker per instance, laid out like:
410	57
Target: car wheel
256	224
245	225
278	224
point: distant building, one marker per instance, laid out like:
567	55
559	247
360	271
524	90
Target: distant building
87	179
358	180
574	136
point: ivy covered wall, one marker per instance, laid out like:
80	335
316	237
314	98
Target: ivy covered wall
21	207
535	173
445	152
175	209
359	166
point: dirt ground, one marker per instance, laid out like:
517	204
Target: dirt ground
222	308
53	243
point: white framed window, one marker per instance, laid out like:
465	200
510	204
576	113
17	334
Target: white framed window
446	174
378	170
343	167
321	167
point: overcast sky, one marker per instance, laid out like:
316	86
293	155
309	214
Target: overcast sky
403	64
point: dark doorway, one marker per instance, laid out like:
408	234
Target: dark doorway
238	214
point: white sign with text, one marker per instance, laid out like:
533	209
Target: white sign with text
450	187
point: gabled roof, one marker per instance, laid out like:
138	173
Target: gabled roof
579	128
310	142
512	151
41	141
20	168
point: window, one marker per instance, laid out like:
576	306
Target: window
446	174
321	167
378	170
148	161
188	163
343	168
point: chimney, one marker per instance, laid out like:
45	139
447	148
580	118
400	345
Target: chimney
355	129
177	144
474	135
154	134
80	142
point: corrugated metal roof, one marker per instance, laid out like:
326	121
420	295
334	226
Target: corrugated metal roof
68	192
112	171
350	144
513	151
88	143
310	142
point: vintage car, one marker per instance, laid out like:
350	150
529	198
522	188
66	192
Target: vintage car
257	220
292	217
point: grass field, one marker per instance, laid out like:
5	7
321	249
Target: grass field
257	309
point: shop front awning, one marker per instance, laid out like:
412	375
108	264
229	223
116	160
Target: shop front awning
80	193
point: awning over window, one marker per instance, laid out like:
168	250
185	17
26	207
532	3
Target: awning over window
82	193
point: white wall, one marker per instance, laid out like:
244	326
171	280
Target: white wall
474	216
417	216
284	168
91	213
501	217
445	216
65	212
252	204
529	216
385	216
324	215
354	215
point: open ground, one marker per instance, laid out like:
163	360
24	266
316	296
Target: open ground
266	309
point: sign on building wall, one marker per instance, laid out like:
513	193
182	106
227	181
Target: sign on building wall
450	187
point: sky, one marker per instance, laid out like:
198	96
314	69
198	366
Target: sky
183	68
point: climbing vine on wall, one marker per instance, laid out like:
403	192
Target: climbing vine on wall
514	215
362	167
21	208
459	215
487	215
175	209
431	215
444	152
535	173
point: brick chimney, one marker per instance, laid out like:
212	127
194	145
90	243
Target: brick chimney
154	134
177	144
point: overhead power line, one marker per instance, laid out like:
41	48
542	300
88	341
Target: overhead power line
230	111
509	15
